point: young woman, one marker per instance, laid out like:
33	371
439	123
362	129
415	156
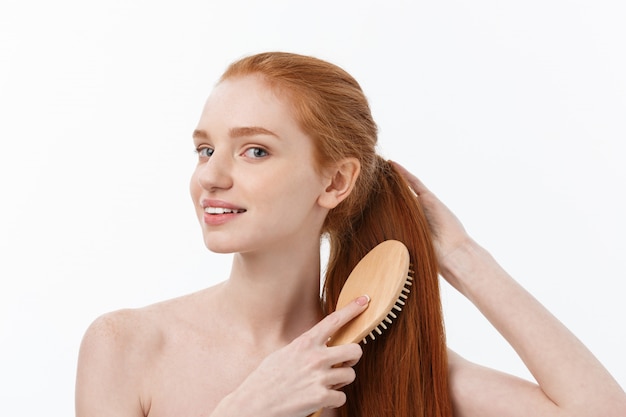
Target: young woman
286	155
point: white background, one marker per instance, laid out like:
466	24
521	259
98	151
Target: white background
513	112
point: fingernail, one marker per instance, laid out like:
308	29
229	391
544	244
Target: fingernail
363	300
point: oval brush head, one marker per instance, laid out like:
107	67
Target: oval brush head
384	275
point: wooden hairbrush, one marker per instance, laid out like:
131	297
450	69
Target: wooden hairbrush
385	276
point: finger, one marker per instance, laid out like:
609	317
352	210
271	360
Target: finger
417	185
344	355
323	330
340	377
335	399
353	360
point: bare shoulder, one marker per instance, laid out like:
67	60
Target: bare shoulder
118	353
115	350
133	336
119	334
126	332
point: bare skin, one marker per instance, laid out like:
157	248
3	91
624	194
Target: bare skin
255	344
163	361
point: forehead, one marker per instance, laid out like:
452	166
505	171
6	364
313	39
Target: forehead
249	101
249	96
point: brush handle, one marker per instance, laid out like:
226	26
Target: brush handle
318	413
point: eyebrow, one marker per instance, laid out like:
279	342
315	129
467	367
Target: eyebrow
200	134
237	132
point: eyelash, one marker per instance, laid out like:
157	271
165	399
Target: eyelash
256	148
201	149
201	152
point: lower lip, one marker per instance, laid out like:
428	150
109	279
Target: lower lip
218	219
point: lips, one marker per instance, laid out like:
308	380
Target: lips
217	212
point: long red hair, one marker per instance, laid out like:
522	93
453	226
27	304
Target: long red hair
403	373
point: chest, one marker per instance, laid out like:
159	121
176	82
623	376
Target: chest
193	371
192	381
190	377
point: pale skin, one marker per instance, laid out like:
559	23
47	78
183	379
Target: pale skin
254	345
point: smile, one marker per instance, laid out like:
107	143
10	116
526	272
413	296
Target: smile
222	210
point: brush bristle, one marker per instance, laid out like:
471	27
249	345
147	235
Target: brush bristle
400	302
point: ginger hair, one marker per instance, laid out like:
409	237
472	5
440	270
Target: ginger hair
404	372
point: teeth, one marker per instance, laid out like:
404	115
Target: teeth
221	210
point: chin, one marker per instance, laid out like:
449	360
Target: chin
220	247
241	245
224	244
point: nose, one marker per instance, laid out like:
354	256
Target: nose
216	172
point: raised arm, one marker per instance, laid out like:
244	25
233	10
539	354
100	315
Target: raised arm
572	382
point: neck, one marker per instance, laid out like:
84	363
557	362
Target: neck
276	293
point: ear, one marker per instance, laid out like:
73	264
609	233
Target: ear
341	179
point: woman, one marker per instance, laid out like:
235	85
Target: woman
286	154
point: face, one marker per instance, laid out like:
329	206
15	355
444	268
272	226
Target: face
255	186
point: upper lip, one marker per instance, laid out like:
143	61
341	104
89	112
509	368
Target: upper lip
220	204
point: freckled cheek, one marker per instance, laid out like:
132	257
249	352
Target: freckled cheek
302	191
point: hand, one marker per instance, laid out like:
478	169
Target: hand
448	233
305	375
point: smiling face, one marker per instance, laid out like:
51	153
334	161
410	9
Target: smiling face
256	185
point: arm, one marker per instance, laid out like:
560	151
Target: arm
572	382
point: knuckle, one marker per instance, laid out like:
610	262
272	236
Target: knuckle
357	350
316	361
334	319
342	377
352	352
304	341
312	358
318	397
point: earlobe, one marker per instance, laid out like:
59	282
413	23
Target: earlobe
341	178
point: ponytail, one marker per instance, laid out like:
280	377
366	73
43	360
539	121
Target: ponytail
403	373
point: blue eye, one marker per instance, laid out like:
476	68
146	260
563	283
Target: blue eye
255	152
204	152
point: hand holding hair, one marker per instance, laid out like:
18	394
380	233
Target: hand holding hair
449	235
571	380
